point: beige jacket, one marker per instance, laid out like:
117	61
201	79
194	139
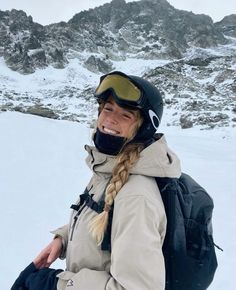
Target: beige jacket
138	228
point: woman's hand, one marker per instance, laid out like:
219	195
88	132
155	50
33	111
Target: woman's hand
49	254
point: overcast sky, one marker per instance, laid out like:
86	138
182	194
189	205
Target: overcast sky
50	11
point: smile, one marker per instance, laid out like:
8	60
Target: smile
110	131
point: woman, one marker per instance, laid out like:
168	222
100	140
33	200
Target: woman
126	157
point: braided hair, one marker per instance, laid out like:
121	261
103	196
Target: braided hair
125	160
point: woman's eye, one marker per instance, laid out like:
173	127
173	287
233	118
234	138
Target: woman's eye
126	116
108	109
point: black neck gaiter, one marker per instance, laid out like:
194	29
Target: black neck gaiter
108	144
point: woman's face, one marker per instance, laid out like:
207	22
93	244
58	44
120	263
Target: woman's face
118	121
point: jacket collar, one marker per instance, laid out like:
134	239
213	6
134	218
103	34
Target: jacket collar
155	160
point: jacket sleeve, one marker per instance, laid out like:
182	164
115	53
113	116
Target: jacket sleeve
137	262
63	233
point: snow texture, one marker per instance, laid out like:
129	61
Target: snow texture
42	172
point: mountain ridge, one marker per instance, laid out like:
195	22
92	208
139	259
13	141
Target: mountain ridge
147	29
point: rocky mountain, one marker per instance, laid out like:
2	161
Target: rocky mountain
227	25
145	29
190	58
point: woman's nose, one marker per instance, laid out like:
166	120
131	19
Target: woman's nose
113	118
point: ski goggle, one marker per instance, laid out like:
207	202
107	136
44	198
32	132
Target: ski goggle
122	87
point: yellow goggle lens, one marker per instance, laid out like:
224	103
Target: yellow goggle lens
123	88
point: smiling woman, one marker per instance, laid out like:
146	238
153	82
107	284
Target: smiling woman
115	126
126	157
118	121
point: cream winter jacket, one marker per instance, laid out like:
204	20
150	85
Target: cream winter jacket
138	227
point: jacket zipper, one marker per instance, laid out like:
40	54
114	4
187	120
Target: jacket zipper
73	227
80	206
75	221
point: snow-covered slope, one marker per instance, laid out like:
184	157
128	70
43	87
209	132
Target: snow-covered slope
42	171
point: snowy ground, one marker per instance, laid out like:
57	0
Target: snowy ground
42	171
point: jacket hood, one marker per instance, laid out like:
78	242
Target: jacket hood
156	160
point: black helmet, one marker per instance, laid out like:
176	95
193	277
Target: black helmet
134	91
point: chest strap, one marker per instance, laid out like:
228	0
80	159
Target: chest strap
86	199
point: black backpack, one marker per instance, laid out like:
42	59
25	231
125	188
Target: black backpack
188	249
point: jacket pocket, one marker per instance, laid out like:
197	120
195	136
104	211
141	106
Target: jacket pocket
64	280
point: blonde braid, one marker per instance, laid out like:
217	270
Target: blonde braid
125	161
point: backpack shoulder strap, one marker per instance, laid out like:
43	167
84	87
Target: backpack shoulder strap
86	199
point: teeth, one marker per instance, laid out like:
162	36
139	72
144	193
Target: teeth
110	131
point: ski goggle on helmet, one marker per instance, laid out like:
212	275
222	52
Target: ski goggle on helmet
133	91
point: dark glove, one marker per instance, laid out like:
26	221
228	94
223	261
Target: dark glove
43	279
32	278
20	281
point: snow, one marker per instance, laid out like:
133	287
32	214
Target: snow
220	50
138	66
74	74
42	172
